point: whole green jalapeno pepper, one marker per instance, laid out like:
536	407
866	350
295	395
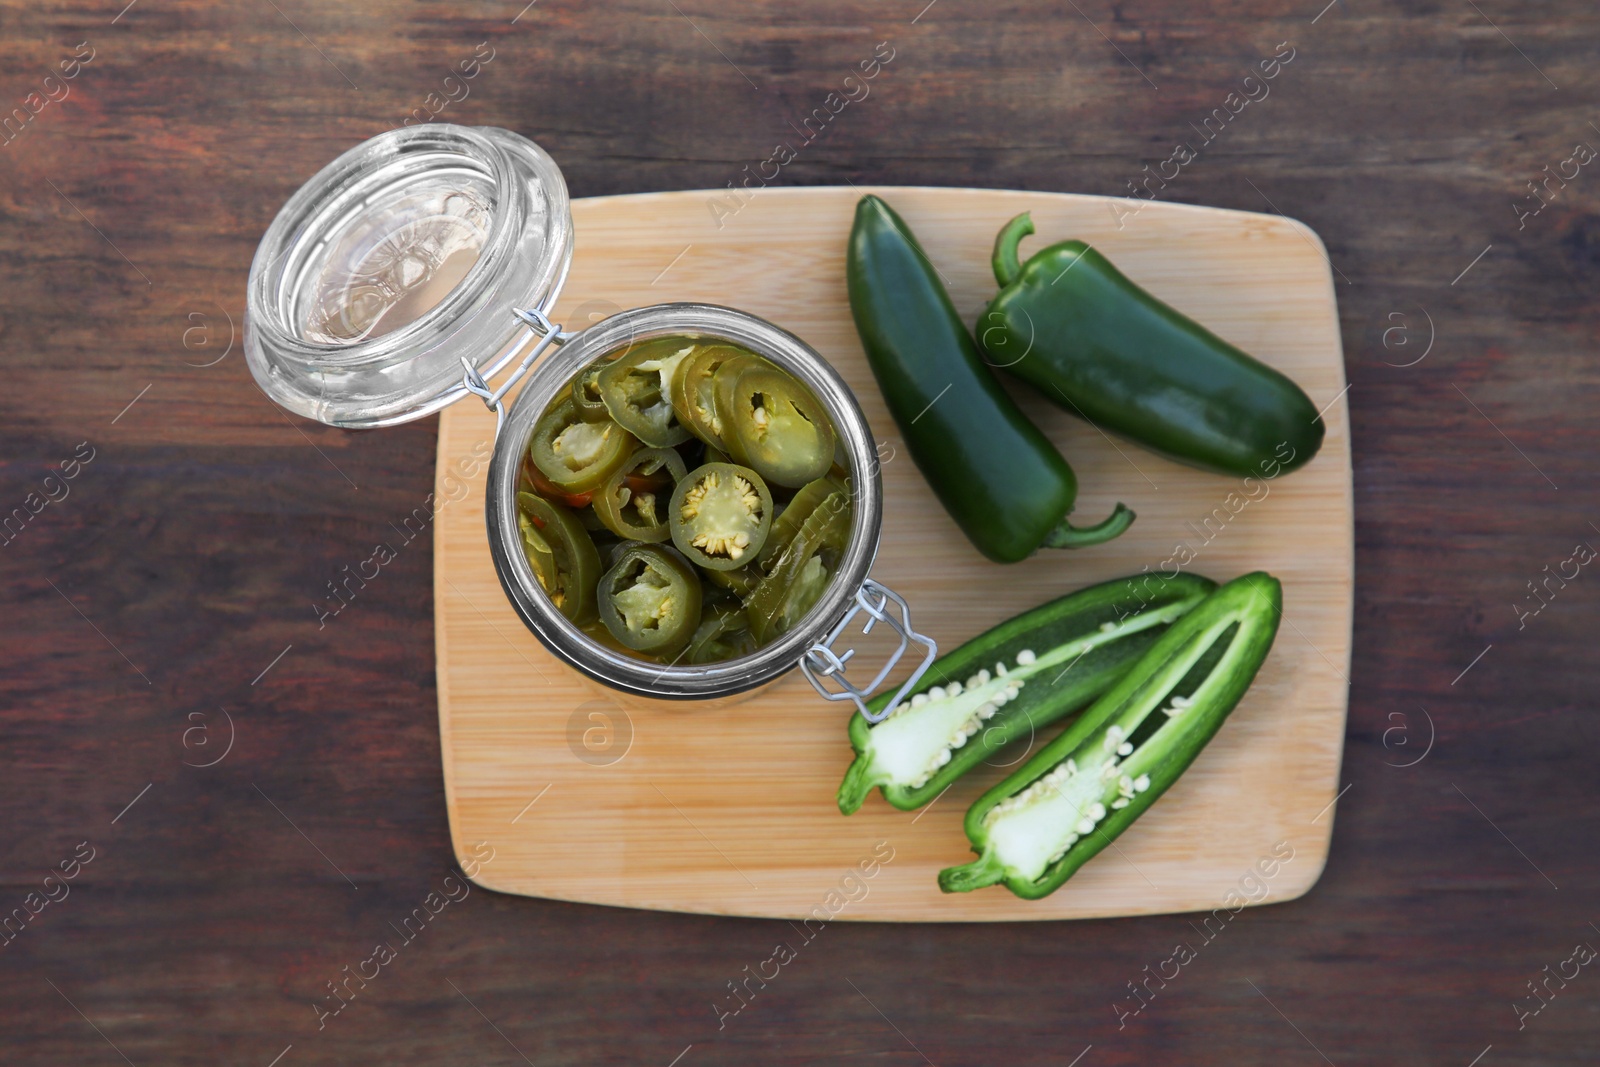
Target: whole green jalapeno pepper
996	474
1074	327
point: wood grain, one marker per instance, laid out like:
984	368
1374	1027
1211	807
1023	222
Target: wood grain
731	809
208	525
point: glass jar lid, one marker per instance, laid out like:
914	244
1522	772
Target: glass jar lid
398	259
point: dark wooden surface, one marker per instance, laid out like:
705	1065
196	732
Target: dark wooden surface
190	550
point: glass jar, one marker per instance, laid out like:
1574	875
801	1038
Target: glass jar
423	262
398	258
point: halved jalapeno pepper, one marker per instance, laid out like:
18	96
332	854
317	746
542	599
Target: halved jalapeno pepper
720	515
694	390
772	423
802	572
576	456
650	600
723	633
633	501
562	556
637	390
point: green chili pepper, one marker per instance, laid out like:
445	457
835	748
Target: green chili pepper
1045	663
562	555
586	396
1036	828
694	390
1000	478
785	526
574	455
541	557
1074	327
632	501
739	582
637	390
719	515
772	423
797	579
650	600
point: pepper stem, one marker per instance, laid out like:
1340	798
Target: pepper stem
985	870
1067	535
1006	264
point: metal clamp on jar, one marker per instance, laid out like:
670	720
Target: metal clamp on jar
422	263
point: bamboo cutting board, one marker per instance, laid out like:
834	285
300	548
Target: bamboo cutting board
582	796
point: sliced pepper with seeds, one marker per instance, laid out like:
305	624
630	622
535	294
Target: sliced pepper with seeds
1035	829
799	509
611	450
800	575
632	503
694	390
720	514
562	556
576	456
1008	683
637	390
772	423
586	392
650	599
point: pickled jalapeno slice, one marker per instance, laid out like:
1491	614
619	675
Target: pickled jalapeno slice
637	390
723	633
586	393
633	501
576	456
800	575
597	529
534	480
720	515
572	567
694	391
740	581
650	600
786	525
540	556
772	423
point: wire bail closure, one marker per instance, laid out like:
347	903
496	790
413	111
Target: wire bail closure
821	662
538	325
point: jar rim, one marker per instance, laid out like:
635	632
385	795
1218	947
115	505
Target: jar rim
697	681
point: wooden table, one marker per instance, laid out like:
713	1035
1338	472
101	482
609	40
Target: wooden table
164	602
